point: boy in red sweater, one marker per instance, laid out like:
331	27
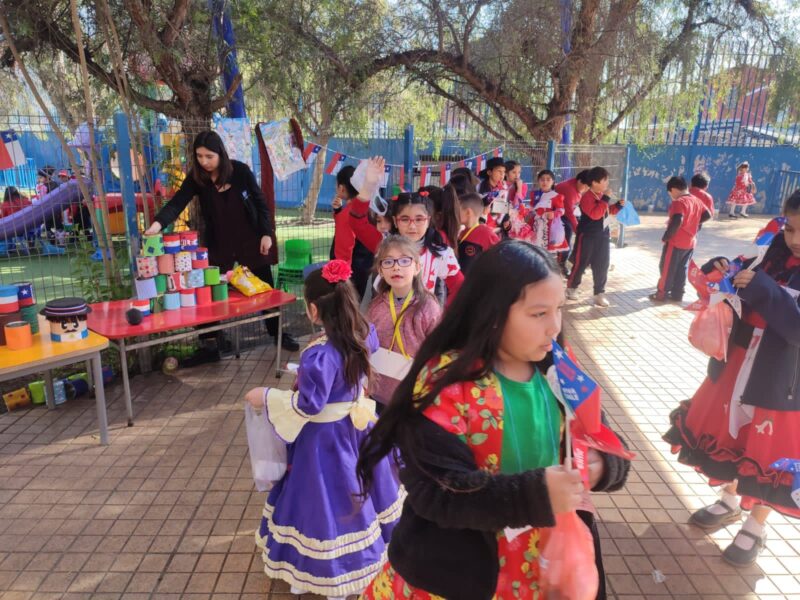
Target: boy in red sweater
345	246
699	190
686	213
592	244
476	238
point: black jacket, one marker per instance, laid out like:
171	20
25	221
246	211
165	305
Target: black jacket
242	180
774	381
445	541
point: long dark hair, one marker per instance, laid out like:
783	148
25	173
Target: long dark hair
212	141
497	279
432	240
347	329
445	212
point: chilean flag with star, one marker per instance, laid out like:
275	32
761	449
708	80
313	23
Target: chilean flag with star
581	394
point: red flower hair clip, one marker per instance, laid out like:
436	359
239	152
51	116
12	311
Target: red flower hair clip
336	271
394	198
425	194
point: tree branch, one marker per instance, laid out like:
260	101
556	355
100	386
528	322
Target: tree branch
223	100
175	20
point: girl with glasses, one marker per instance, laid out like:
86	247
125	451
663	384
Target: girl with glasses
403	312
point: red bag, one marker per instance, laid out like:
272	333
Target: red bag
568	570
710	329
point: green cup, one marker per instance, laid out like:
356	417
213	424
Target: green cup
219	292
161	283
37	392
211	276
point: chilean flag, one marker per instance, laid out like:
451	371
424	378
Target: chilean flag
497	152
336	164
444	174
581	394
11	154
766	235
478	163
387	171
424	176
310	153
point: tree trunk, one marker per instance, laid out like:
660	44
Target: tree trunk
312	197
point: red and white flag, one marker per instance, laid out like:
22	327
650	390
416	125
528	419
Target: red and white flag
444	173
336	163
478	163
497	152
11	154
424	176
311	152
401	180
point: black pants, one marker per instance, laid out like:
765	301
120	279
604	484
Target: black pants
562	256
673	266
591	250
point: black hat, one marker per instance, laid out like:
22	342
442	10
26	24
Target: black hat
495	161
66	307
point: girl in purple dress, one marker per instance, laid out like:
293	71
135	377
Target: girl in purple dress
315	534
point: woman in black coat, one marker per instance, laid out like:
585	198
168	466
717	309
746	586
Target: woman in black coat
238	226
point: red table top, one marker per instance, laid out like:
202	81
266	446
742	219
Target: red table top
108	318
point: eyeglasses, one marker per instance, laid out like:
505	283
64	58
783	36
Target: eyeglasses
418	221
403	261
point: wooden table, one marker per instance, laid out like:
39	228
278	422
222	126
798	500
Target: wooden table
45	355
108	319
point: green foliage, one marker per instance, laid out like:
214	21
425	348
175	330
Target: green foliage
92	281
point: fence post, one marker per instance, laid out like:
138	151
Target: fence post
625	173
126	184
408	156
551	155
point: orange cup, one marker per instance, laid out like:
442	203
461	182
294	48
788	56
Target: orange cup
18	335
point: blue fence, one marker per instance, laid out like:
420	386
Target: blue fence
652	166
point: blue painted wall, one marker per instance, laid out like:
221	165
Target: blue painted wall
652	166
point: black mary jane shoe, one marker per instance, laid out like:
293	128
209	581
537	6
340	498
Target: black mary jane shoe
705	519
737	557
288	342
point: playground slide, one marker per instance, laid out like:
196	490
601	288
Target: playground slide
33	216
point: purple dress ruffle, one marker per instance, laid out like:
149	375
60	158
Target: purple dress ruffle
315	533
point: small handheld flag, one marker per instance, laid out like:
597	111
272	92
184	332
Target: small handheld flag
580	392
770	230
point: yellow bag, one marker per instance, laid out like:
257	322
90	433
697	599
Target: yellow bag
248	284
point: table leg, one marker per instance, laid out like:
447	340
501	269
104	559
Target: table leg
236	336
278	369
100	399
89	374
50	392
126	384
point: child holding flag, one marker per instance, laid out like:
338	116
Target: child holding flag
403	313
480	437
741	427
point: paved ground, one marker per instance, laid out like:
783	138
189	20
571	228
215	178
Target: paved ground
168	509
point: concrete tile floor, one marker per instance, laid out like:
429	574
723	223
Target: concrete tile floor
168	510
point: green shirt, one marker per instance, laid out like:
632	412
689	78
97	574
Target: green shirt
531	425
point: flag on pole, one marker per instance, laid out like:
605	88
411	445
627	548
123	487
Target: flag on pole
581	394
478	163
444	173
423	176
11	154
336	163
310	153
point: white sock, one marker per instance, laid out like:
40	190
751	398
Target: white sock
751	526
731	500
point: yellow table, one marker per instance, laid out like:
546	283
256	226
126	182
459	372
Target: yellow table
45	355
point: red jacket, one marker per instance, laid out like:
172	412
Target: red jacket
569	189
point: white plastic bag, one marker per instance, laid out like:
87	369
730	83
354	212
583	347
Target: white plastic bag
267	450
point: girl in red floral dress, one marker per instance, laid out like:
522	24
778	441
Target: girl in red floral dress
479	434
742	192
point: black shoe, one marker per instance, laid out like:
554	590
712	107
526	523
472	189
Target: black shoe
737	557
705	519
656	298
288	342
